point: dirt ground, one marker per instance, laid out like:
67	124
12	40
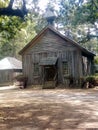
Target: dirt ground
57	109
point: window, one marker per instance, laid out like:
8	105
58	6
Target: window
36	69
65	68
85	63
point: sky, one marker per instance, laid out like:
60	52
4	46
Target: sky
43	3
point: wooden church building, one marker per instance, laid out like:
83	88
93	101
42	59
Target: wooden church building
51	56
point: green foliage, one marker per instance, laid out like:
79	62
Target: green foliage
79	18
96	60
24	36
4	3
14	34
96	75
74	15
89	81
9	27
87	12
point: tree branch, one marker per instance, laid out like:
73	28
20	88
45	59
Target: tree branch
9	11
95	5
11	4
24	7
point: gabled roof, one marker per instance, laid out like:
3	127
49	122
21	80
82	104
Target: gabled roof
9	63
43	31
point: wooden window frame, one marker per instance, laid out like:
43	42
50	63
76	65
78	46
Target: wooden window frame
36	69
65	68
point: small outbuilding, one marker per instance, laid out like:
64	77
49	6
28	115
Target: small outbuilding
51	56
9	68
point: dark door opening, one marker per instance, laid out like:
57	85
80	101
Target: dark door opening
50	73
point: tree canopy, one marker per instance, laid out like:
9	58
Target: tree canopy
6	8
21	20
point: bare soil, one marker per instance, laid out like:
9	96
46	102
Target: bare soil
56	109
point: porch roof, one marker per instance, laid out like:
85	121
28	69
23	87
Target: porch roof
48	61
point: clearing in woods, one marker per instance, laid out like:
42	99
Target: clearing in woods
57	109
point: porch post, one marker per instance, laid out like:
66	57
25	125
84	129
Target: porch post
92	65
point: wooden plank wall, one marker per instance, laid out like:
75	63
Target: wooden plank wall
52	46
28	67
8	76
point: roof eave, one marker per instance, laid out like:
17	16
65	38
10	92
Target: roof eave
33	40
84	50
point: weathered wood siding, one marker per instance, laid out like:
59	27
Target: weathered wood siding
51	45
7	76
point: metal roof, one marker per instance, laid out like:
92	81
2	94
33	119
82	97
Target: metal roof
48	61
10	63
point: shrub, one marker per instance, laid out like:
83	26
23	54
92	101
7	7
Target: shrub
89	81
22	80
96	60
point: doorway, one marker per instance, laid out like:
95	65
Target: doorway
50	76
50	73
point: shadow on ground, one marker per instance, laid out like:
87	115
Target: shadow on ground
28	112
52	116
